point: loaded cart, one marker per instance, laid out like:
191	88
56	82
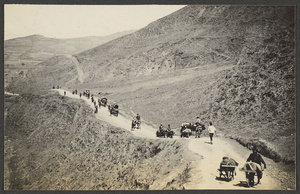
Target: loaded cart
227	168
227	172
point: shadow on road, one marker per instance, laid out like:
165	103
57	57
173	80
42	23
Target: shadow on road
208	142
242	184
223	179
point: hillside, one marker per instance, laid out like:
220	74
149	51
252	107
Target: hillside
72	150
244	59
232	65
21	54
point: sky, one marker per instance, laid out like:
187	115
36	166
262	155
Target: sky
70	21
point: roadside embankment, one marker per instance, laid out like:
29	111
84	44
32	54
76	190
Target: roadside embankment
54	142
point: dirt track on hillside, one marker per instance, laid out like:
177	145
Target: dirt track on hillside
204	174
79	70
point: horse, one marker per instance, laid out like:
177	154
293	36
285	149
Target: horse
196	128
190	126
161	133
185	132
170	134
199	128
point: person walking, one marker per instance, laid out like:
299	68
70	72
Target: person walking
198	121
211	130
257	158
96	109
138	117
169	128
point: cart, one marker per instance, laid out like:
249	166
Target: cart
227	172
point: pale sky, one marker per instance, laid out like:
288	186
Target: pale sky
70	21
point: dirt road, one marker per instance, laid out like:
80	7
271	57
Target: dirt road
80	73
204	174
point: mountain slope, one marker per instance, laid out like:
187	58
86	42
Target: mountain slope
190	37
233	65
20	54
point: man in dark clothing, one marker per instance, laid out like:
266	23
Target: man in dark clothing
96	109
161	128
257	158
138	117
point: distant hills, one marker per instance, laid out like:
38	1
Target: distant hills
20	54
233	65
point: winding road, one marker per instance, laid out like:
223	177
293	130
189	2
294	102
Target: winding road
204	174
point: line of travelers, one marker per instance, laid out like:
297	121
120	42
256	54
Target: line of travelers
113	109
57	87
188	129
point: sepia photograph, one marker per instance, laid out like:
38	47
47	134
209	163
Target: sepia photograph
150	97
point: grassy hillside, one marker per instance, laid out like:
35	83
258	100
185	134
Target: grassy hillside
45	75
52	142
21	54
233	65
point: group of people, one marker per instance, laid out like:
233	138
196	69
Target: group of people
197	127
75	92
254	162
161	128
86	94
89	96
57	87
